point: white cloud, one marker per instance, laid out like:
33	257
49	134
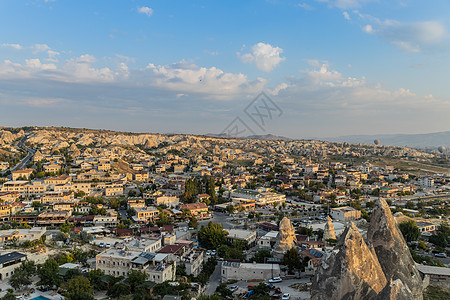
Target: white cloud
40	48
265	56
407	36
178	78
305	6
324	89
145	10
213	53
346	16
13	46
345	4
189	78
368	29
413	37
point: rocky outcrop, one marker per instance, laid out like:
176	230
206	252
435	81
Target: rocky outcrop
329	233
388	243
349	272
286	236
396	290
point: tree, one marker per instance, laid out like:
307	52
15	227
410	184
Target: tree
292	260
95	277
193	222
261	256
136	278
212	235
442	237
49	273
223	290
117	290
261	290
22	275
9	296
65	227
78	288
163	219
409	230
36	204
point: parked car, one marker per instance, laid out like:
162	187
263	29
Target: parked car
208	252
250	287
233	288
441	255
108	245
101	244
286	297
275	280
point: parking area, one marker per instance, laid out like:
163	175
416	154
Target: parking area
298	289
104	241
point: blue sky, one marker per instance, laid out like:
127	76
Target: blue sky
333	67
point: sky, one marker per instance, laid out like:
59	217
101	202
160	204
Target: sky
301	69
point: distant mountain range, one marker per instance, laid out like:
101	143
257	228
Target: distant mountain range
426	140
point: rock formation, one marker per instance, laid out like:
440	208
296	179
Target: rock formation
388	243
329	230
349	272
381	269
395	291
286	236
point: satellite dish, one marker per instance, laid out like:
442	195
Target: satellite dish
441	149
376	142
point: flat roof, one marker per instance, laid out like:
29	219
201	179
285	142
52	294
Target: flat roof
240	233
251	265
11	256
433	270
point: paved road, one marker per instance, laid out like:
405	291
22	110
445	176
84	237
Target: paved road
22	164
214	281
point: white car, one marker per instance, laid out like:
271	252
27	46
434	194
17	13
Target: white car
286	297
208	252
275	280
233	288
108	245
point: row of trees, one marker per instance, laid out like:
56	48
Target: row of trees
77	286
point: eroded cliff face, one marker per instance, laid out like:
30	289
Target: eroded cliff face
388	243
381	269
396	290
350	272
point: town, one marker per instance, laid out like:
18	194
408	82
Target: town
96	214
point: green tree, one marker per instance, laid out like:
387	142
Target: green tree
22	275
65	227
49	274
36	204
292	260
210	297
409	230
117	290
212	235
78	288
193	222
163	219
9	296
136	278
261	256
95	277
442	237
223	290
